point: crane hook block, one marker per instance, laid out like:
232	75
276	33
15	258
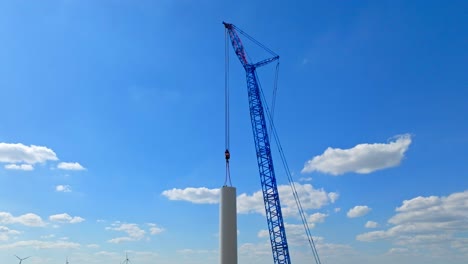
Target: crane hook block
227	155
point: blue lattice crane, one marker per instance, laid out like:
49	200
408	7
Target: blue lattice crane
271	199
276	228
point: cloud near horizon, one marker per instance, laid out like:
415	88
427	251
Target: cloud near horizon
36	244
6	232
23	167
200	195
371	224
362	158
133	231
428	220
18	156
66	218
20	153
63	188
311	198
28	219
358	211
70	166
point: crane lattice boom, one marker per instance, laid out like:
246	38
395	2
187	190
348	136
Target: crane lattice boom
271	199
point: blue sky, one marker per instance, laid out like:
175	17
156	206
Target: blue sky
112	129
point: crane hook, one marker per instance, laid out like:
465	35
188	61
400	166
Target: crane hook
227	155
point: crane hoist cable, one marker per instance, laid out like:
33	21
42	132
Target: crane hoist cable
275	89
227	154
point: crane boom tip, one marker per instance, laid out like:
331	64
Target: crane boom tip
227	25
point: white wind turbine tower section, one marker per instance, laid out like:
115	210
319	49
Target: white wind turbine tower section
21	259
228	226
127	260
66	262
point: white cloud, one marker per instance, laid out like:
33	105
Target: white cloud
92	246
155	229
305	179
371	224
134	232
253	250
363	158
63	188
394	251
295	234
317	218
310	198
251	203
200	195
332	249
36	244
358	211
433	209
76	219
333	196
297	238
260	253
263	233
70	166
29	219
426	221
119	240
24	167
372	236
66	218
19	153
337	210
5	233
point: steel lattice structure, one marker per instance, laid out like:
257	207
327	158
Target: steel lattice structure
271	199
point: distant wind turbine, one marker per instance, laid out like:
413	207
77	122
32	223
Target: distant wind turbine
21	259
66	262
127	260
